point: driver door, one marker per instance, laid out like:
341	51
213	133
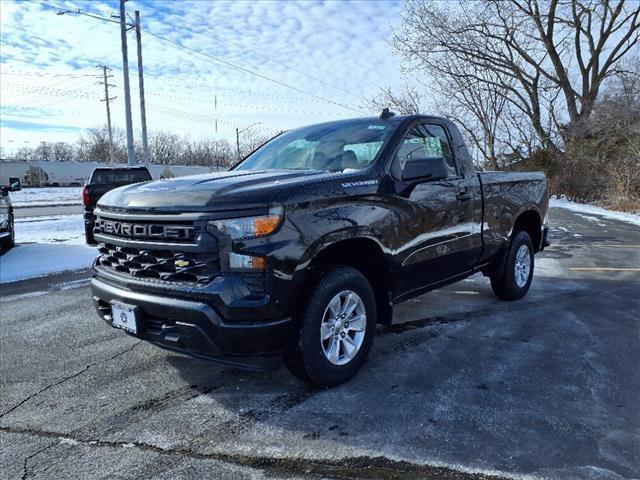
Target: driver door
440	235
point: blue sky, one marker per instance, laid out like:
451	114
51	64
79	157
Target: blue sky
48	88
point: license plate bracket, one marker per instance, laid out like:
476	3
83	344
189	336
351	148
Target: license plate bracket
124	316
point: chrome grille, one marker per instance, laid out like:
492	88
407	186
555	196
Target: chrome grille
165	265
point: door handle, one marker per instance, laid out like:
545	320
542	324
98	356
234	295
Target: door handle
464	195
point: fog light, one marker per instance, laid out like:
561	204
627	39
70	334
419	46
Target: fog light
245	262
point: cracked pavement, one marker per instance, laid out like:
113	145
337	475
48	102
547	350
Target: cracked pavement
463	386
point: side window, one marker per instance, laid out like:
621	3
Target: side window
364	152
427	141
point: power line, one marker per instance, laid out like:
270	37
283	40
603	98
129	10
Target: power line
49	90
185	84
223	103
260	54
255	52
246	70
40	74
227	63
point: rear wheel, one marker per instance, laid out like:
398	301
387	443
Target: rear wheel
515	280
337	329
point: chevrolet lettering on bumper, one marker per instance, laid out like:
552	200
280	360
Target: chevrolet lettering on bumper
138	230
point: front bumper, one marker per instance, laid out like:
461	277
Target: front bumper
190	321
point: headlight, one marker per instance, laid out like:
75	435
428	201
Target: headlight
248	227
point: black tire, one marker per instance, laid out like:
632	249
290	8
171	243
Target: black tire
505	286
88	234
306	358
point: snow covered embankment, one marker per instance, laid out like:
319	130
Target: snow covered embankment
39	260
46	196
46	245
594	210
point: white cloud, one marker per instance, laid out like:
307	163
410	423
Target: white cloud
342	43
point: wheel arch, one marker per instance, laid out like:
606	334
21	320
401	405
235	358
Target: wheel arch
527	220
365	255
530	222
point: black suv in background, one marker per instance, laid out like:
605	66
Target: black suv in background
101	181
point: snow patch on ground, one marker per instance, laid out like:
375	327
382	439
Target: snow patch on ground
590	218
548	267
594	210
52	229
36	197
46	245
38	260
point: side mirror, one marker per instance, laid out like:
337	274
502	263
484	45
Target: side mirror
4	191
425	169
14	184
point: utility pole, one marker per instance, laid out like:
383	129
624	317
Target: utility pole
107	99
143	113
237	143
124	26
238	132
131	158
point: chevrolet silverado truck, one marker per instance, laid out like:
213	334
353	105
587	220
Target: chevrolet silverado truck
102	180
299	250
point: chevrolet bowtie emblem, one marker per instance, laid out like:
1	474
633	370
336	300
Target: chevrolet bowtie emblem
181	263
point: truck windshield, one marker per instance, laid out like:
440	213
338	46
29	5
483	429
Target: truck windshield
335	147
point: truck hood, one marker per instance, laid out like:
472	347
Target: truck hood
223	190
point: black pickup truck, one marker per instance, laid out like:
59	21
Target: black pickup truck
300	249
101	181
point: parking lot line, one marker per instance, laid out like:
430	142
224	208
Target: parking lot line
614	246
604	269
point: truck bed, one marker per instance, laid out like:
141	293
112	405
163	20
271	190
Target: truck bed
505	195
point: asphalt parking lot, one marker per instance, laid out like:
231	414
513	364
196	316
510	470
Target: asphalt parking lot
462	387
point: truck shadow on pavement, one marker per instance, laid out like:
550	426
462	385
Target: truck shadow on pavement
545	385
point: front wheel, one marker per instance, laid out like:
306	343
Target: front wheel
515	280
336	331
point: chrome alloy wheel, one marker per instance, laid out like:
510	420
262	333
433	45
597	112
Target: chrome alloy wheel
522	266
343	327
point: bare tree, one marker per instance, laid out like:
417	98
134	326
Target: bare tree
477	107
250	140
23	153
95	146
534	54
216	153
165	148
62	152
406	102
43	152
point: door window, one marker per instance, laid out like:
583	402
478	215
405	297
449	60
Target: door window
427	141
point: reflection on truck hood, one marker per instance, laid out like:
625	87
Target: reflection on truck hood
238	189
